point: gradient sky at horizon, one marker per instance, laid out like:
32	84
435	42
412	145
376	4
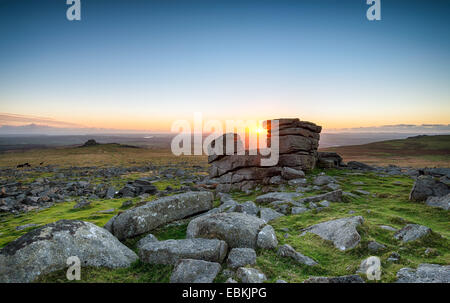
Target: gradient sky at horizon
143	64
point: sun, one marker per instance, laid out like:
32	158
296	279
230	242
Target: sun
260	130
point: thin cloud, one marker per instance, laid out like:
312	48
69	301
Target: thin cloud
19	120
398	128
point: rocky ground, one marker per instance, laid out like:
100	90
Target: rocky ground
169	223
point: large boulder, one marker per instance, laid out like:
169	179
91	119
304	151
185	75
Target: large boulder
194	271
145	218
425	273
427	186
170	251
237	229
46	249
333	196
342	232
412	232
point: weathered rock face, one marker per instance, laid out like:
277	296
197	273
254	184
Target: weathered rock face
170	251
237	229
194	271
342	232
426	186
298	143
145	218
47	248
425	273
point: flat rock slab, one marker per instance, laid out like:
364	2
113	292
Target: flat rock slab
277	196
171	251
194	271
145	218
46	249
333	196
425	273
237	229
342	232
412	232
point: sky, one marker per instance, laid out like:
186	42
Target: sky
141	65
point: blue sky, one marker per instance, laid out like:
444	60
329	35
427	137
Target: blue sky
142	64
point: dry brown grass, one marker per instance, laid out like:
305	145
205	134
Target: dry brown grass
102	155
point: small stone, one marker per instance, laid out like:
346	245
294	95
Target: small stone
250	275
374	246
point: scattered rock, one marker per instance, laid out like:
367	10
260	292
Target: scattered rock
412	232
441	202
82	204
287	251
298	210
333	196
267	238
277	196
289	173
297	182
239	257
342	232
248	207
22	227
323	180
194	271
425	273
268	214
250	275
387	227
374	246
427	186
359	165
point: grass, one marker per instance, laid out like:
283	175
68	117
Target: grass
101	155
419	151
386	205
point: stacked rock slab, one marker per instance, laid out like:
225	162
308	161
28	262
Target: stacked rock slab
241	170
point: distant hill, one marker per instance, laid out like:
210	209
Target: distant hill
417	151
